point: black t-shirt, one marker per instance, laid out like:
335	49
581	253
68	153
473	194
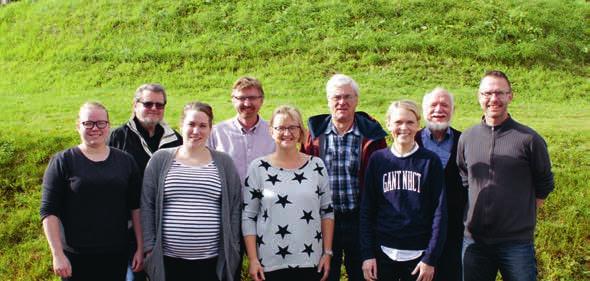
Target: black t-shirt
91	199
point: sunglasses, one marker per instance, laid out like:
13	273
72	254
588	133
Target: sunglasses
101	124
149	104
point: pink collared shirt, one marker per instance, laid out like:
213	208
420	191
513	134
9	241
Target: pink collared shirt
242	145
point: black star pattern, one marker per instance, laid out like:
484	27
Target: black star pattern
328	210
318	191
318	235
264	164
273	179
244	205
246	184
260	260
292	267
256	194
265	215
254	218
259	240
283	200
283	251
308	249
307	216
299	177
319	169
283	231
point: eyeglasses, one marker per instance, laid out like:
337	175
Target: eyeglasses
246	98
342	97
101	124
291	129
498	94
149	104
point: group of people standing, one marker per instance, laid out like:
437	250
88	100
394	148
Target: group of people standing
145	202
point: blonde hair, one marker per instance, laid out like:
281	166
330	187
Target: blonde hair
294	114
93	104
246	82
405	104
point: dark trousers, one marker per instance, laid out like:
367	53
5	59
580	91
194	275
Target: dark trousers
515	261
180	269
346	244
294	274
91	267
449	267
390	270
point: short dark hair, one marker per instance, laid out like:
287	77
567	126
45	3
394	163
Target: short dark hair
497	74
197	106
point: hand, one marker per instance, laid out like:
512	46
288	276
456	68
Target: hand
370	269
324	266
256	270
62	266
137	263
426	272
540	202
147	254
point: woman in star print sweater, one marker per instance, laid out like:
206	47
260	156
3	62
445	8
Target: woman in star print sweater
288	218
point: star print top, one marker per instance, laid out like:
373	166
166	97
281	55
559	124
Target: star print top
284	209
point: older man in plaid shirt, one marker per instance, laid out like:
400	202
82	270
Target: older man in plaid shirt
344	139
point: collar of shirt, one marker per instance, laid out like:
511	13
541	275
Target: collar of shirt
244	130
331	129
448	134
400	155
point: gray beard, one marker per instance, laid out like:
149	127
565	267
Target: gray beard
441	126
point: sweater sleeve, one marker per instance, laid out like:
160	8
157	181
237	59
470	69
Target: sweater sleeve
326	208
252	195
368	212
54	187
235	186
461	164
149	193
436	183
541	168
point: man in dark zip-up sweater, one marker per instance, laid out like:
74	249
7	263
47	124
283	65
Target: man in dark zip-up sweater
506	168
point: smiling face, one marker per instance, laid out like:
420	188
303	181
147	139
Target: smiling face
286	131
150	115
93	136
403	125
494	97
342	102
195	128
438	110
247	102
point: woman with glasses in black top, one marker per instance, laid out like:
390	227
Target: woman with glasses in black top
88	193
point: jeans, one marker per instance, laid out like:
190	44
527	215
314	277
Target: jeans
346	243
515	261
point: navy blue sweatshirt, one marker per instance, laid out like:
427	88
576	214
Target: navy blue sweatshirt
404	205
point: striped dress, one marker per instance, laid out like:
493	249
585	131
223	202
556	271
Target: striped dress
191	211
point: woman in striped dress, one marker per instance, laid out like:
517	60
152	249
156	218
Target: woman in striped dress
191	207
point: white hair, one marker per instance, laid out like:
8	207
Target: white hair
340	80
428	96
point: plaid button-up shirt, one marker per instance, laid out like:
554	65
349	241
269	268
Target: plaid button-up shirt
342	157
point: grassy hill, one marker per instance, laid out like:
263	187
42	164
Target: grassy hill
54	55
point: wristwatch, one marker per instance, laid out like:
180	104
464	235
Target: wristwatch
328	253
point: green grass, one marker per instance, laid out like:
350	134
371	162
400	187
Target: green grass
54	55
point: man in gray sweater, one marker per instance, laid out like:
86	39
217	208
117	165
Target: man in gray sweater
506	168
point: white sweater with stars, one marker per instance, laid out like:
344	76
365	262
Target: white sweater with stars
283	208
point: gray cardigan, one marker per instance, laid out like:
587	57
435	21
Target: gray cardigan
151	214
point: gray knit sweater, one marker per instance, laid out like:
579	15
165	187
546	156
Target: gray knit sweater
151	214
505	168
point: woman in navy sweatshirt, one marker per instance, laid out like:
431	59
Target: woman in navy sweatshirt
403	210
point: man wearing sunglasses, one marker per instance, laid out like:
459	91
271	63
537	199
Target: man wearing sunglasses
143	134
